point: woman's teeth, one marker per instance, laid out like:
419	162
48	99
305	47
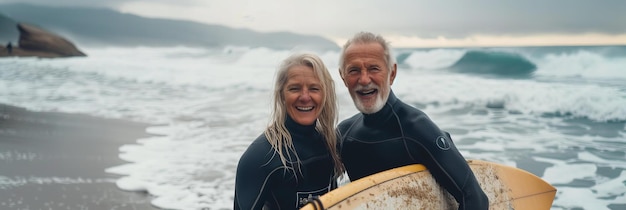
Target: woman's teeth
304	108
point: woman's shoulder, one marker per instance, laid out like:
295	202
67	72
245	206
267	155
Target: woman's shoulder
259	152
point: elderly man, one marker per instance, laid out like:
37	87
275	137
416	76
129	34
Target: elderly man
389	133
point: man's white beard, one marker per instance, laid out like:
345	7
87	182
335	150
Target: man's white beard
379	102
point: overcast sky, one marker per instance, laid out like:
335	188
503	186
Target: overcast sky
405	22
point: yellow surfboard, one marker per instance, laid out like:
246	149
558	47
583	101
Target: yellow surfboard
413	187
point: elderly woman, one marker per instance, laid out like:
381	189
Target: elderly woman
296	158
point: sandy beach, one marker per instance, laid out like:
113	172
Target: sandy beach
57	161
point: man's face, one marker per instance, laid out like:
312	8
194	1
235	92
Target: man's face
303	95
367	76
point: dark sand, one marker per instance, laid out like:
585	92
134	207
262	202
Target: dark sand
57	161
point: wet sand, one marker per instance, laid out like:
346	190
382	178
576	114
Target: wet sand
57	161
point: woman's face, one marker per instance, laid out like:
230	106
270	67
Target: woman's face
303	95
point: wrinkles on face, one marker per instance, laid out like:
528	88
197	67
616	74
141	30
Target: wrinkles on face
367	76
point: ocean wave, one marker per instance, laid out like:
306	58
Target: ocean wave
597	63
503	64
582	64
430	59
595	102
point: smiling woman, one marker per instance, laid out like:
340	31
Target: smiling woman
302	95
296	159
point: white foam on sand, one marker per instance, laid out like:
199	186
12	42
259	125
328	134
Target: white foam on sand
185	170
12	182
13	155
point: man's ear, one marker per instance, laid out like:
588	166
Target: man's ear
392	76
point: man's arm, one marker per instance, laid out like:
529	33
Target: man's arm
436	150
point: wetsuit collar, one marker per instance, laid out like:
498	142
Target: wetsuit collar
383	115
294	127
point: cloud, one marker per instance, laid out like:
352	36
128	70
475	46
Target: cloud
71	3
466	18
424	19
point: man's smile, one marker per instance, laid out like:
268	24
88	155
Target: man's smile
367	92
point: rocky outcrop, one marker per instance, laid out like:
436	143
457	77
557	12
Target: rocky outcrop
35	41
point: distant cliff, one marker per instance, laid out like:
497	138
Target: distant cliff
105	27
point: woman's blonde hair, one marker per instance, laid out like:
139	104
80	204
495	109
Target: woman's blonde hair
278	135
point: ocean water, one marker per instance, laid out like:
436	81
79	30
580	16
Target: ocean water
558	112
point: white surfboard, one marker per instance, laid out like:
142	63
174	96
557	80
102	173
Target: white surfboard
413	187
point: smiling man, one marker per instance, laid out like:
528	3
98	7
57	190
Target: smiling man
367	77
389	133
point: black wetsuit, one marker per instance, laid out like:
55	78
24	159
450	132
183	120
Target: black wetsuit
262	180
400	135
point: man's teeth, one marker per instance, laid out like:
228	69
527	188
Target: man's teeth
304	108
366	92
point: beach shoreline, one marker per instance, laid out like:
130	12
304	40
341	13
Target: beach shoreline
52	160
